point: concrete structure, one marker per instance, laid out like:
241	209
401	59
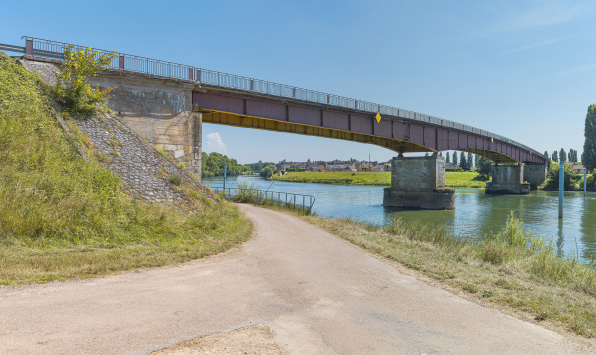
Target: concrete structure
159	111
418	183
534	174
507	179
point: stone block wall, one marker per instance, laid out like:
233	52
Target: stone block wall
160	112
418	173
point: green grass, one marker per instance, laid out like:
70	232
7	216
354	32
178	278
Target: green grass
62	217
515	271
340	178
469	179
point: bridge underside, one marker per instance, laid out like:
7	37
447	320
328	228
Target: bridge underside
230	119
396	134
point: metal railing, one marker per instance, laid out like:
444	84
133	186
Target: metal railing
47	49
305	202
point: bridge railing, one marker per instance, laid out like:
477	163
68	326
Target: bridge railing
46	49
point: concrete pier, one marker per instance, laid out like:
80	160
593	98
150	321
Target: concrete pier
535	174
507	180
418	183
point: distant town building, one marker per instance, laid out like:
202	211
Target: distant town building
579	169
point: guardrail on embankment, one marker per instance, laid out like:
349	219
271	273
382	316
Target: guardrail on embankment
284	199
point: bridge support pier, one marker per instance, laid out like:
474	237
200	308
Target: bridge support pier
418	183
535	174
507	180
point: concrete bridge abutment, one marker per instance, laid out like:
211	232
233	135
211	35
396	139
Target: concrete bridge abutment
535	174
159	111
507	180
418	183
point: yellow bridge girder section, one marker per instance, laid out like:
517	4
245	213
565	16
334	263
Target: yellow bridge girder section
230	119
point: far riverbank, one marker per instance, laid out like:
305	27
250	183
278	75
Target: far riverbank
468	179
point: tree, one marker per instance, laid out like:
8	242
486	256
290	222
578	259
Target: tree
455	158
484	168
589	155
475	160
72	81
562	156
546	153
447	157
572	155
267	171
470	160
463	163
554	157
440	154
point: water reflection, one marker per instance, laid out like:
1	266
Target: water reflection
476	214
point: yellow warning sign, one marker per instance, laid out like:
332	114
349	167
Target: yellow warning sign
491	139
378	117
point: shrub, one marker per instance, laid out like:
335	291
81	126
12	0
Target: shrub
552	178
72	82
175	179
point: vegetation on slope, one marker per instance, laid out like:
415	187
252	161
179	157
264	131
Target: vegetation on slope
62	217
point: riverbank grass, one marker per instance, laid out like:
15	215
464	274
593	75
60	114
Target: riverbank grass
467	179
62	217
337	177
516	271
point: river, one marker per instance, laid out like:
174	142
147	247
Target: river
475	214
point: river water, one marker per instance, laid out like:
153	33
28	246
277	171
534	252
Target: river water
475	214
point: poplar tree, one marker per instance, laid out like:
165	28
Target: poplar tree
462	161
455	158
589	155
470	160
562	156
554	157
447	157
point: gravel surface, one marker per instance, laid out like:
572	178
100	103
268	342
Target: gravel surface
316	293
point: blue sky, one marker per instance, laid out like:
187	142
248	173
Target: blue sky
522	69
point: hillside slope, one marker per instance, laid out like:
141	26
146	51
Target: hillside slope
62	216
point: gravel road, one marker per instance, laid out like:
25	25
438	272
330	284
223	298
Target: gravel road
316	293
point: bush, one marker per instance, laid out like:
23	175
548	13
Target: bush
267	172
552	179
175	179
72	82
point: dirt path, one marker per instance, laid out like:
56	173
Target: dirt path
316	293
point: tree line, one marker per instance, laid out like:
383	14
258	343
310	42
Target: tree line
213	165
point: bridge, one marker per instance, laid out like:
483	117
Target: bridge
149	91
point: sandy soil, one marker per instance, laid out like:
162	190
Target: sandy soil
253	340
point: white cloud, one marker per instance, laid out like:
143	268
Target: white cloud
215	144
538	45
539	17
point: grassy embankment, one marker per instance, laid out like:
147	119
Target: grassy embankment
62	217
516	271
467	179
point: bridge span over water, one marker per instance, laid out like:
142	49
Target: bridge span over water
239	101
